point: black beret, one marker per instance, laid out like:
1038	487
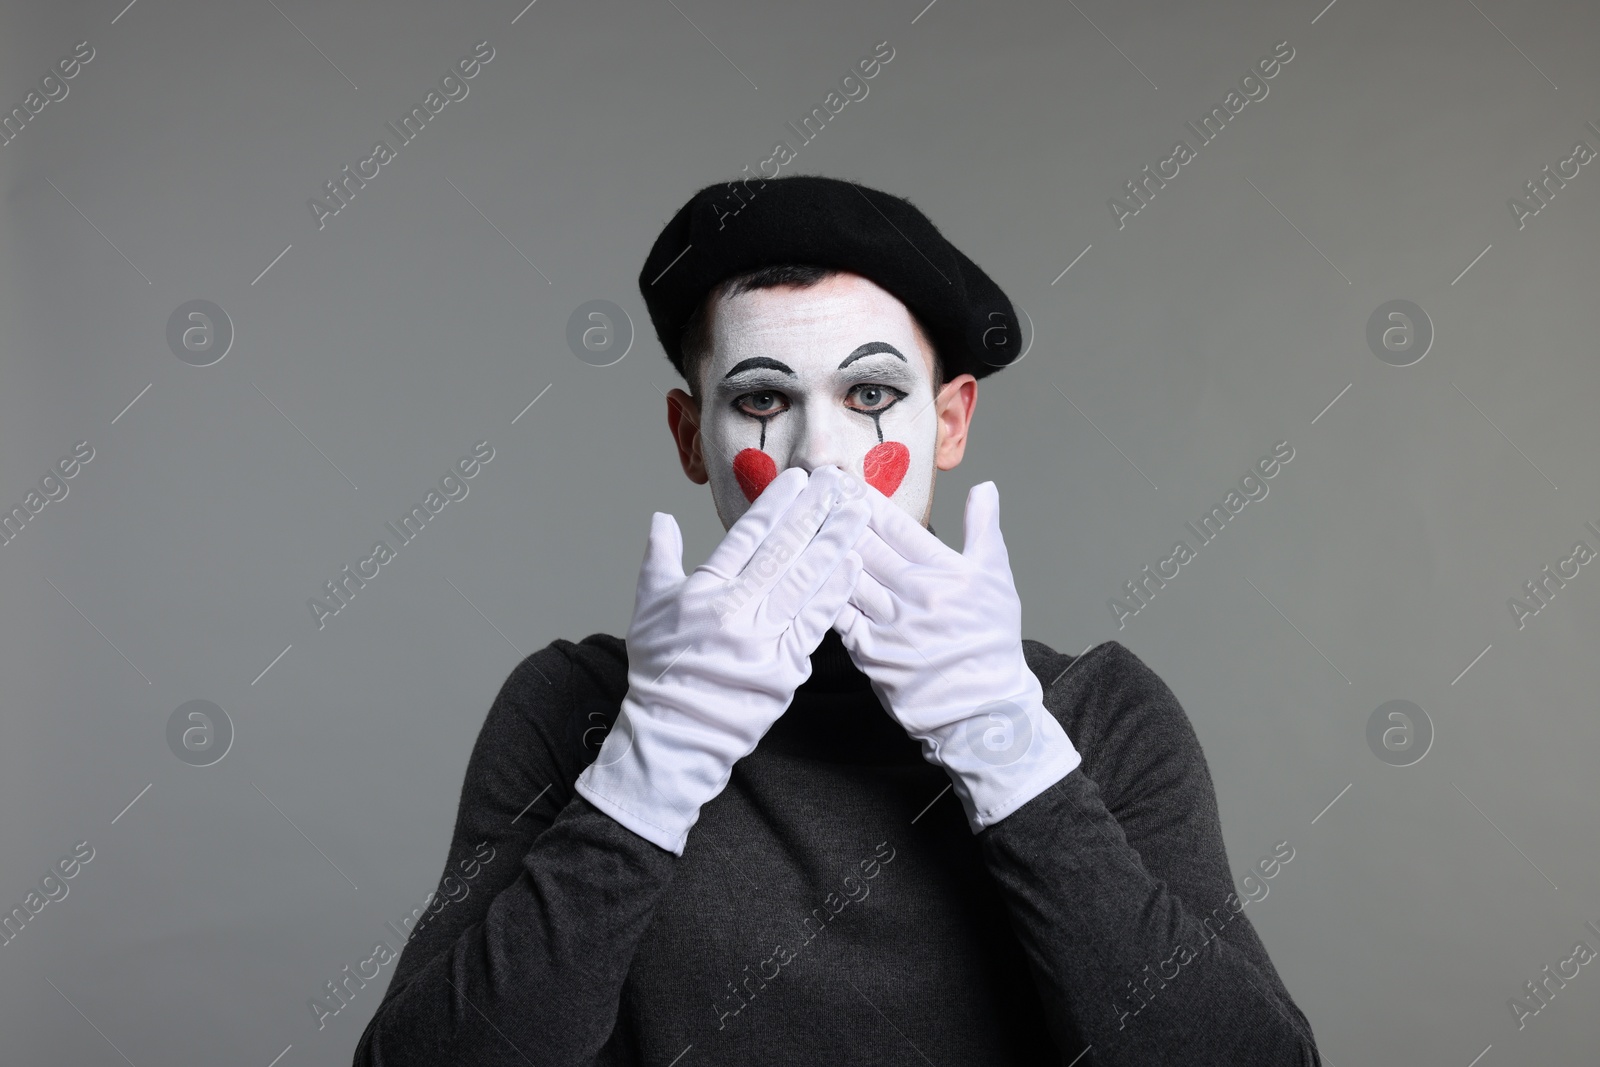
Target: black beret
734	227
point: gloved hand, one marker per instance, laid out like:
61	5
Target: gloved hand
714	658
939	634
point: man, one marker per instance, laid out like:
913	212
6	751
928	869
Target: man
727	838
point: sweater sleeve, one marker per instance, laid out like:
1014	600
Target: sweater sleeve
1119	889
527	966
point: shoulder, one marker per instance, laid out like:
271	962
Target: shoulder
550	715
1105	675
1125	721
596	665
565	676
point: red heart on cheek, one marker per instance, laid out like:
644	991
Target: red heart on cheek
885	466
755	470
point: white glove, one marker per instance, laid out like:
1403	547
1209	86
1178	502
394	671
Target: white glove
713	662
939	633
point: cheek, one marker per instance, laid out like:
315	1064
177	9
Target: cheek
754	470
884	466
738	469
903	462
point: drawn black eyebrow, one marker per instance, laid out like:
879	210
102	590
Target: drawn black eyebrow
761	363
872	348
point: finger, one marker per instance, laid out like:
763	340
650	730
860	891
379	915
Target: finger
733	553
872	599
882	561
983	543
811	567
853	487
785	534
663	555
903	533
793	530
848	618
819	613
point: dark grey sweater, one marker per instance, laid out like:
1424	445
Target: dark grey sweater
832	906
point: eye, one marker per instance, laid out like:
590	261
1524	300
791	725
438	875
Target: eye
875	399
761	404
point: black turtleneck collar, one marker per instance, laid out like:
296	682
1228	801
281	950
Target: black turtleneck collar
836	717
832	669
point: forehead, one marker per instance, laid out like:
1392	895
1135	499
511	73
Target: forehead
816	326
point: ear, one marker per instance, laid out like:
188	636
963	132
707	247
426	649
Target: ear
953	407
683	417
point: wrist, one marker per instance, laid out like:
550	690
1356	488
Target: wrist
648	781
646	824
1003	756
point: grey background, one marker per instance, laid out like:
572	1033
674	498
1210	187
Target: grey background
1223	318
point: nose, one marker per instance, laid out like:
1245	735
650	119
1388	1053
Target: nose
820	442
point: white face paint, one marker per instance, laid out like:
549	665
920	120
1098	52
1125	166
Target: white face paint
833	373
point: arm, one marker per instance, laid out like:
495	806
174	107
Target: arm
1096	896
528	966
1127	914
712	659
